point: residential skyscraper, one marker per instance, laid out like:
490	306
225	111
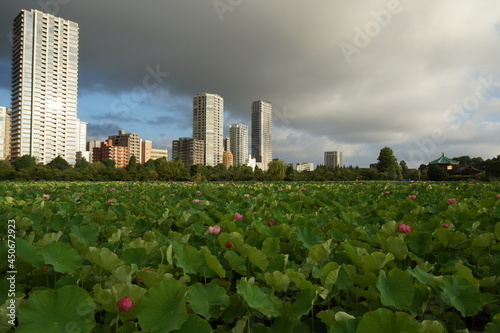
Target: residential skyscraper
333	159
44	87
238	134
208	113
262	130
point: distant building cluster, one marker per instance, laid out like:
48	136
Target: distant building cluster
208	147
43	122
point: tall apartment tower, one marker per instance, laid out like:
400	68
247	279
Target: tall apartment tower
208	112
333	159
262	130
238	134
44	87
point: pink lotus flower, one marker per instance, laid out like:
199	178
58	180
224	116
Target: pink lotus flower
214	230
271	223
387	192
404	228
412	196
45	196
125	304
198	192
67	187
452	200
172	194
498	196
246	195
109	201
250	187
303	189
445	225
79	194
78	202
238	216
112	190
196	200
142	201
41	188
229	244
280	189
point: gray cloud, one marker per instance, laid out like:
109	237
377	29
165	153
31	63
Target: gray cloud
396	89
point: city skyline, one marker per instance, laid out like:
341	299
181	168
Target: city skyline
352	77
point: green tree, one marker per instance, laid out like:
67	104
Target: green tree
150	164
7	172
59	163
436	173
132	164
82	164
25	162
97	171
493	170
277	170
108	163
387	164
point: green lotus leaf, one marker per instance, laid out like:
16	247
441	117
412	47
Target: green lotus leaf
429	326
396	289
345	326
163	308
188	258
375	261
136	256
309	236
66	309
256	298
462	294
271	246
194	324
420	242
212	263
277	280
396	246
303	303
236	262
29	252
48	238
493	327
201	297
385	321
62	256
319	252
257	258
104	258
483	240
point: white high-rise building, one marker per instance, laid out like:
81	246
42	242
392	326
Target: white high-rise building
238	134
45	88
262	130
208	113
333	159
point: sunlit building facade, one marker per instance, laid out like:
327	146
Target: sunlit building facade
44	121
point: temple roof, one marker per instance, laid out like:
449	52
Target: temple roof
444	160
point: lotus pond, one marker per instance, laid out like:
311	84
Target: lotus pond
335	257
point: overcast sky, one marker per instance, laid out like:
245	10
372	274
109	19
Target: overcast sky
421	77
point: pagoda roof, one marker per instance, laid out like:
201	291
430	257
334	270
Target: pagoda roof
444	160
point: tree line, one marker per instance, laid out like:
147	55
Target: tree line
25	168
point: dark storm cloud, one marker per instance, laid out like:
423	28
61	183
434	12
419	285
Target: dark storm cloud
351	73
102	130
